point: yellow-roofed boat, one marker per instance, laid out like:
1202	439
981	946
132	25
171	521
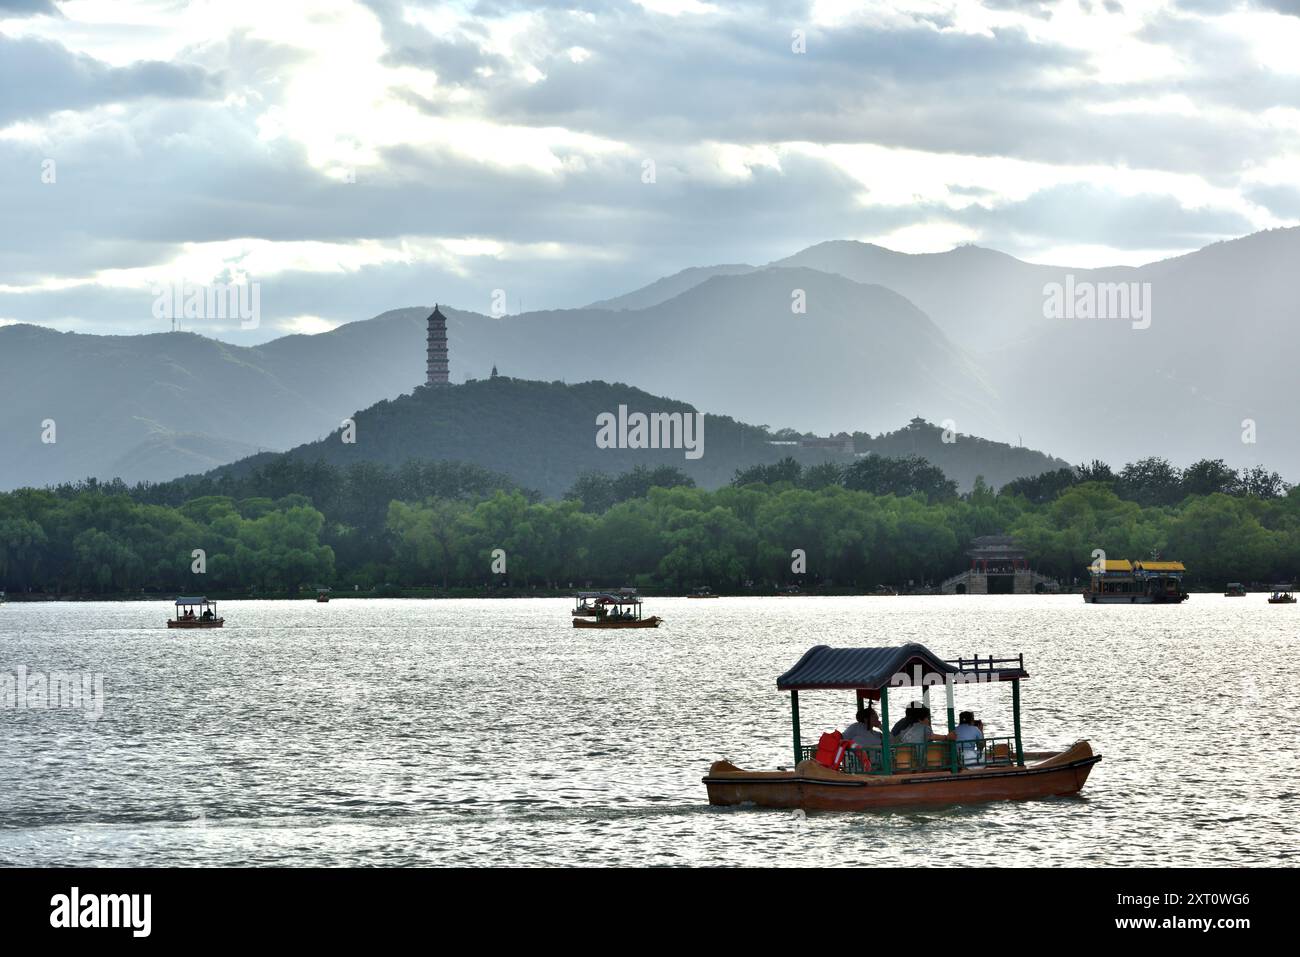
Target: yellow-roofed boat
1121	582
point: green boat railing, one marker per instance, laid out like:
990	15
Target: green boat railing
928	756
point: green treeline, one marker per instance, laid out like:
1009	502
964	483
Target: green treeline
289	525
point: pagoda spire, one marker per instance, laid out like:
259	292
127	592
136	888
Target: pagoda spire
438	371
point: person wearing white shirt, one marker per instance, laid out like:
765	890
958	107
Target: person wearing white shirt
970	740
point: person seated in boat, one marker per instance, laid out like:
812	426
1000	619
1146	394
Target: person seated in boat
864	737
865	732
920	731
970	739
906	721
208	615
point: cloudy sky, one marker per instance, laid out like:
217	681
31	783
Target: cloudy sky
353	156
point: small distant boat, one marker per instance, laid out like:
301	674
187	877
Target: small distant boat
1282	595
322	596
702	593
1235	590
834	776
196	613
617	611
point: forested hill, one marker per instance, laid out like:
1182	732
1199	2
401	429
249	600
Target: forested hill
543	436
540	434
962	458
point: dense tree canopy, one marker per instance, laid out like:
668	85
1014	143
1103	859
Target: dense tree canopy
880	521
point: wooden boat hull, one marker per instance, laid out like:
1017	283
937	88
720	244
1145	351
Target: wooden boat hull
811	786
1093	598
651	622
215	623
1281	601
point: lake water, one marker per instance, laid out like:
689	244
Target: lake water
392	732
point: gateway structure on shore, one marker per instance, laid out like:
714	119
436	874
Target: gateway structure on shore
998	566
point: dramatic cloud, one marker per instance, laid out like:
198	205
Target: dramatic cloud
358	155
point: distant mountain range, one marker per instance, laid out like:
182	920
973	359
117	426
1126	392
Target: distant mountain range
1220	350
159	406
957	338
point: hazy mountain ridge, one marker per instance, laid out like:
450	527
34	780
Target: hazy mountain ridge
863	348
661	290
957	336
162	405
1219	349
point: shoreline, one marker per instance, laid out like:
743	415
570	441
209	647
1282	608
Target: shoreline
507	594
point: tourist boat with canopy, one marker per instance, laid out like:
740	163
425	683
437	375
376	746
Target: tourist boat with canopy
196	613
1121	582
893	773
617	611
1235	590
1282	595
702	592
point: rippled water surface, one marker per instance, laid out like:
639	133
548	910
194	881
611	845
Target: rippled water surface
491	732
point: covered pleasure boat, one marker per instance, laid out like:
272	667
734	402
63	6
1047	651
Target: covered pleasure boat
196	613
616	611
892	773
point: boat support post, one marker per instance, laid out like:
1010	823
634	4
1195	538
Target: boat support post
952	713
886	759
1015	711
952	721
794	724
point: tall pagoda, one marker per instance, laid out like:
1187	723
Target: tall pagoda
438	371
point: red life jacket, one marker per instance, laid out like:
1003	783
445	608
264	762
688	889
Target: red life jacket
830	750
864	756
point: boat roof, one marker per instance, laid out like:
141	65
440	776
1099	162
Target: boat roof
1160	566
870	669
1112	565
192	601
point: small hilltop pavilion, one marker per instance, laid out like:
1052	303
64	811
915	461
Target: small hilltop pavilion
998	566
